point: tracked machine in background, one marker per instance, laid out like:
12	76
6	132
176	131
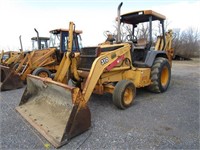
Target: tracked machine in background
42	62
60	111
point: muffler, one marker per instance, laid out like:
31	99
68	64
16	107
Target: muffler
9	79
56	110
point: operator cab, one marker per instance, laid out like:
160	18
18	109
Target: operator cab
143	47
43	41
59	39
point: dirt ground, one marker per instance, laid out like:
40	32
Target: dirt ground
156	121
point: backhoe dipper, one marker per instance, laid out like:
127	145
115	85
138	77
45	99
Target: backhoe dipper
60	112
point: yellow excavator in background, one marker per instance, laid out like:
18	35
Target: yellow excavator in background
42	62
59	111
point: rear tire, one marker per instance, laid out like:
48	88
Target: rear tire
160	75
124	94
42	72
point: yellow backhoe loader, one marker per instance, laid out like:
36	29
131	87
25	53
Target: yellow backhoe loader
42	62
60	111
10	61
10	58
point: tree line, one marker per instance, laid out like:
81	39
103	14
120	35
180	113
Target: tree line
186	43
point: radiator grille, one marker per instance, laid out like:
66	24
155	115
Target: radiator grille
89	54
87	57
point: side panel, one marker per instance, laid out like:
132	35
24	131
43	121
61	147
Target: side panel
151	55
140	77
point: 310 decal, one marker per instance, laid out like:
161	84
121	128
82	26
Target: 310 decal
104	60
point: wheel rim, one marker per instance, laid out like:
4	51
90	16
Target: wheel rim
43	74
128	96
164	76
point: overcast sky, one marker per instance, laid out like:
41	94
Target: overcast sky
20	17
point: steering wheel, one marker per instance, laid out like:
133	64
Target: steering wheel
107	33
132	38
109	36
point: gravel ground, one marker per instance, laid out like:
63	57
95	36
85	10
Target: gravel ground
156	121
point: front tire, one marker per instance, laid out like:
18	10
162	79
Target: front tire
42	72
124	94
160	75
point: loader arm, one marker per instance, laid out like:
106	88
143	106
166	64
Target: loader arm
24	60
12	57
33	62
1	56
11	60
19	58
42	60
98	68
63	68
66	60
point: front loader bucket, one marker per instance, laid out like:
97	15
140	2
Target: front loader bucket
54	109
9	79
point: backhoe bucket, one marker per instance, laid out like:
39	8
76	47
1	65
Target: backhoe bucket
9	79
56	110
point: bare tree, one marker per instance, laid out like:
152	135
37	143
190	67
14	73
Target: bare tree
186	43
143	31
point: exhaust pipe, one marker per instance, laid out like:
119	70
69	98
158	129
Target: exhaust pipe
118	23
38	41
20	40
